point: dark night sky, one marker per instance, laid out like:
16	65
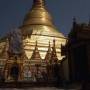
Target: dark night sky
12	13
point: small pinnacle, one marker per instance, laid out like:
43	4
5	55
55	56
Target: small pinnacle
38	3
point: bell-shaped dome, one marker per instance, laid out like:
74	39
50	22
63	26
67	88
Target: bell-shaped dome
39	26
38	15
40	21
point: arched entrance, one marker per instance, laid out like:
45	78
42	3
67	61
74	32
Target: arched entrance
14	72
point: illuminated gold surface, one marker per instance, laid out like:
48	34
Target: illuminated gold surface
39	22
38	15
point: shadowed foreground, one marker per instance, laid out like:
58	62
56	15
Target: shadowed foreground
36	86
43	88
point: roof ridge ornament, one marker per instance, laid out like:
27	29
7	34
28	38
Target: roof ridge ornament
38	3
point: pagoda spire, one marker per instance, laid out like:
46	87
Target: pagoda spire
53	54
89	22
36	54
48	54
74	22
38	3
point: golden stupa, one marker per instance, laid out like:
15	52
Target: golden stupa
38	26
41	43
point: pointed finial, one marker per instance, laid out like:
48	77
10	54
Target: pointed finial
49	43
49	48
36	42
74	21
54	42
89	22
38	3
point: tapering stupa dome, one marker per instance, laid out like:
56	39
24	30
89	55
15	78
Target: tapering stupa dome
38	15
39	26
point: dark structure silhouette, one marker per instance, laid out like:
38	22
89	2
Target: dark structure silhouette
77	51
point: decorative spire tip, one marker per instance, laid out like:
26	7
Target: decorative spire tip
39	3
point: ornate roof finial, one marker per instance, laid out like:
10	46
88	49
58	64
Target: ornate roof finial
49	43
38	3
89	22
54	55
36	43
36	54
48	54
53	42
74	21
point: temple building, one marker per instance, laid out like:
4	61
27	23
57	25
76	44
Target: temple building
39	44
77	50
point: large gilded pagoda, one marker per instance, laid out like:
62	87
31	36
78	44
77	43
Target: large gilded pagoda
40	45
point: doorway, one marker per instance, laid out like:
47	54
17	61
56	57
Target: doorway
14	72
